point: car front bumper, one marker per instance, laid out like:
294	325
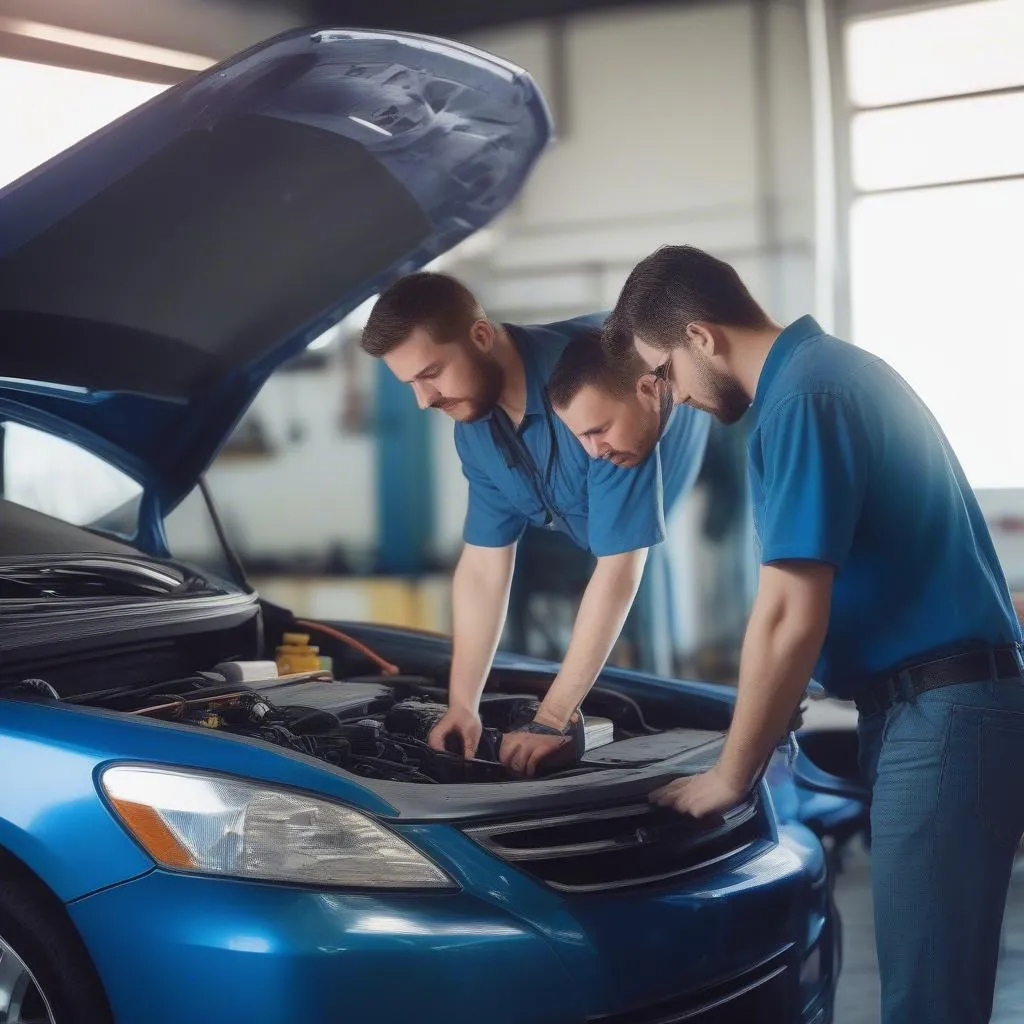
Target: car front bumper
755	942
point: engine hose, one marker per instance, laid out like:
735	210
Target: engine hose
385	666
603	690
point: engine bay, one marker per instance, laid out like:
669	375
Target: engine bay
89	622
364	726
377	727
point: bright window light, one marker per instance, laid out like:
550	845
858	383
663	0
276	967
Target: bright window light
56	477
980	137
944	51
936	286
47	109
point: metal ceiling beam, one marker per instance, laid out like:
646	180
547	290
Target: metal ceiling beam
41	51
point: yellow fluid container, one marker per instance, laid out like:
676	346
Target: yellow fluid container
296	655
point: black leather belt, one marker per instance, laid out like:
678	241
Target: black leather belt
984	665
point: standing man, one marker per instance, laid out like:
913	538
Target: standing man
523	466
878	575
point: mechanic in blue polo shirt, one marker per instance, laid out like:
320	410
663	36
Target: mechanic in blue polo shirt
878	575
523	466
618	411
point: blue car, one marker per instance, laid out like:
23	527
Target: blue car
185	833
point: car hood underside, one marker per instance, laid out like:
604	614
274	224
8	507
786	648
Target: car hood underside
154	275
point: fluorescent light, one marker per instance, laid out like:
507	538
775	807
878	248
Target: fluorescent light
370	125
105	44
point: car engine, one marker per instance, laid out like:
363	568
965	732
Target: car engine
378	726
366	727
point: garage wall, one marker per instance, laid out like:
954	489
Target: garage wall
676	125
689	124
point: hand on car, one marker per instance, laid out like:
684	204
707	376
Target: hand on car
699	795
462	722
522	752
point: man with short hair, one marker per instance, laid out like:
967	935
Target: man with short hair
619	411
878	575
523	467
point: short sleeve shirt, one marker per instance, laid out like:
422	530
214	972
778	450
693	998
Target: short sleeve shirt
848	467
604	508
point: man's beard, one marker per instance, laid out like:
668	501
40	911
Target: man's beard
728	399
490	381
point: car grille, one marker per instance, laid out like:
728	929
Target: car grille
765	993
624	846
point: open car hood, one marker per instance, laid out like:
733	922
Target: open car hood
155	274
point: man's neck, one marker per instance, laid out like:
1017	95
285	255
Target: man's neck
750	350
513	394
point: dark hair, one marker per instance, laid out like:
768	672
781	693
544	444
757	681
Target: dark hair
436	302
676	286
585	361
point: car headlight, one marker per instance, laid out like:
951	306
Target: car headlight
217	825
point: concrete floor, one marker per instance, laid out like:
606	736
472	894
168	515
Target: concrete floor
857	998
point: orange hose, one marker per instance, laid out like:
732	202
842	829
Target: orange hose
385	666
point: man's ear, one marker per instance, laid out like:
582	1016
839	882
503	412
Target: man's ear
648	388
482	334
706	337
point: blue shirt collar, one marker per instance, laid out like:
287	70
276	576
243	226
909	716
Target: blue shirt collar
536	382
779	354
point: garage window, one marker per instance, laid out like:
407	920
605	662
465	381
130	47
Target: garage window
937	222
55	108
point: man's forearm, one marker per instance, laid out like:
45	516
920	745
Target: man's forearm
602	612
782	643
480	591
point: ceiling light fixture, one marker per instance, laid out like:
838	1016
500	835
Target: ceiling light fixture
105	44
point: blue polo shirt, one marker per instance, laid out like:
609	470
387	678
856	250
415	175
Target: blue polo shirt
604	508
847	466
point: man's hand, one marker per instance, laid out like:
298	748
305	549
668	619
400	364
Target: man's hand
522	752
462	722
698	795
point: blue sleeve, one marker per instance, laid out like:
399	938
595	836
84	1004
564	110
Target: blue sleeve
490	521
815	454
625	506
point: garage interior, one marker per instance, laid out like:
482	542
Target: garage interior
852	159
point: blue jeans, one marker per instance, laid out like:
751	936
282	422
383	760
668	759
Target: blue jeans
946	772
